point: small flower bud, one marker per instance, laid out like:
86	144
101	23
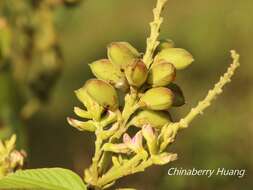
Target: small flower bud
82	113
164	44
109	118
117	148
162	73
136	73
135	144
180	58
122	53
82	126
16	159
103	93
159	98
109	132
151	138
94	110
164	158
126	139
179	99
103	69
156	119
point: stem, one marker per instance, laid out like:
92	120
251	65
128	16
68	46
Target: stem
152	41
98	152
212	94
145	164
129	108
118	172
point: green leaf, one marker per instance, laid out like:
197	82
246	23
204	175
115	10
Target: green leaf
42	179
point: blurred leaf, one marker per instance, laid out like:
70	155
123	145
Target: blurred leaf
43	179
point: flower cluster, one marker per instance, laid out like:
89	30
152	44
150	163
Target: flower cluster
10	159
148	92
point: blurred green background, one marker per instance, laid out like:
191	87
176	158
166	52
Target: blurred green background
222	137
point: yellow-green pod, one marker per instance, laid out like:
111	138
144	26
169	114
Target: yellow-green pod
122	54
161	73
156	119
103	69
136	73
159	98
103	93
180	58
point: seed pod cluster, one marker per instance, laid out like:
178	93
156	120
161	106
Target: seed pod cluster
125	69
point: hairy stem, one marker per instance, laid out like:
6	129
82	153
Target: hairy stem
152	41
212	94
98	152
129	108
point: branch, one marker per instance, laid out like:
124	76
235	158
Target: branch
152	41
212	94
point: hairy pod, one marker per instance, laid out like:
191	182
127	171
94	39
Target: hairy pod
136	73
103	93
161	73
156	119
180	58
159	98
122	54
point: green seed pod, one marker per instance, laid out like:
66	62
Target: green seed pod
156	119
180	58
103	93
159	98
164	44
161	73
136	73
179	99
121	54
103	69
